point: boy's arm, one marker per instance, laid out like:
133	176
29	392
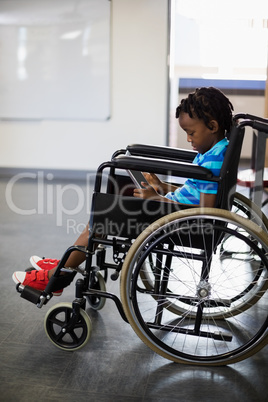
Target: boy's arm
206	200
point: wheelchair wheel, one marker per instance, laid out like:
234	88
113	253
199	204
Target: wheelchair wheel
223	307
56	320
246	208
97	283
242	206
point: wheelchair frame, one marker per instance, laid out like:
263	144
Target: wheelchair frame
191	323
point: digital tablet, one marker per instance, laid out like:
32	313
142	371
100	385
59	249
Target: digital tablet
137	177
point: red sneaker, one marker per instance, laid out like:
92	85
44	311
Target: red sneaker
43	263
35	279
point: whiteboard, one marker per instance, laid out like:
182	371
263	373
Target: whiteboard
55	59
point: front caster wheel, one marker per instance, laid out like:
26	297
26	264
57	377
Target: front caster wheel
98	283
56	326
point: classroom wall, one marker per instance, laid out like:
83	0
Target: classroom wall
139	96
138	100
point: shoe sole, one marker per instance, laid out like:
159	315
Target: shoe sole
32	261
35	266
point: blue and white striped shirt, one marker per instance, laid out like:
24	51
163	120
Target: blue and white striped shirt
189	193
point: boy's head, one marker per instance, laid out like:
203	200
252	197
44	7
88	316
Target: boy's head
208	104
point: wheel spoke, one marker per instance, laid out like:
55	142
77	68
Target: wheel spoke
187	302
61	329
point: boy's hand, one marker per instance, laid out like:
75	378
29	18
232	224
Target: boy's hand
154	181
151	188
154	189
148	192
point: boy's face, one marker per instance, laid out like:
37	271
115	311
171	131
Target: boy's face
198	134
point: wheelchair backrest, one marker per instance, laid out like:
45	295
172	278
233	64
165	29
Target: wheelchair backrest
229	170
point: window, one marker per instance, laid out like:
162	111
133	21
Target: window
223	44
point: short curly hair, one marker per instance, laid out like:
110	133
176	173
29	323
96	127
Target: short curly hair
208	103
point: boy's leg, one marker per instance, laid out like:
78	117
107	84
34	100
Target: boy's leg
38	279
76	257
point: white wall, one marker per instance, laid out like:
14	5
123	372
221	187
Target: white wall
253	105
138	100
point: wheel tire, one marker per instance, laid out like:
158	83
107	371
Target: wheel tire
246	208
96	302
56	319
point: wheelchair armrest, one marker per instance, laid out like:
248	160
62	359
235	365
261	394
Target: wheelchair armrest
157	151
161	166
118	152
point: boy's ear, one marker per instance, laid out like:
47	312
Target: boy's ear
213	126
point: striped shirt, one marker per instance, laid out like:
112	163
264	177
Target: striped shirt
189	193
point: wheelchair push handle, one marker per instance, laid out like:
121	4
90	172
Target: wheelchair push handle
248	116
258	125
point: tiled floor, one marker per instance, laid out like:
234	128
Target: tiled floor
115	365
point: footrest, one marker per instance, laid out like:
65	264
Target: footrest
30	294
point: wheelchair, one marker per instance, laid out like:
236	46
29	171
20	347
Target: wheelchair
193	281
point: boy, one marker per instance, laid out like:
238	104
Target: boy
205	116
